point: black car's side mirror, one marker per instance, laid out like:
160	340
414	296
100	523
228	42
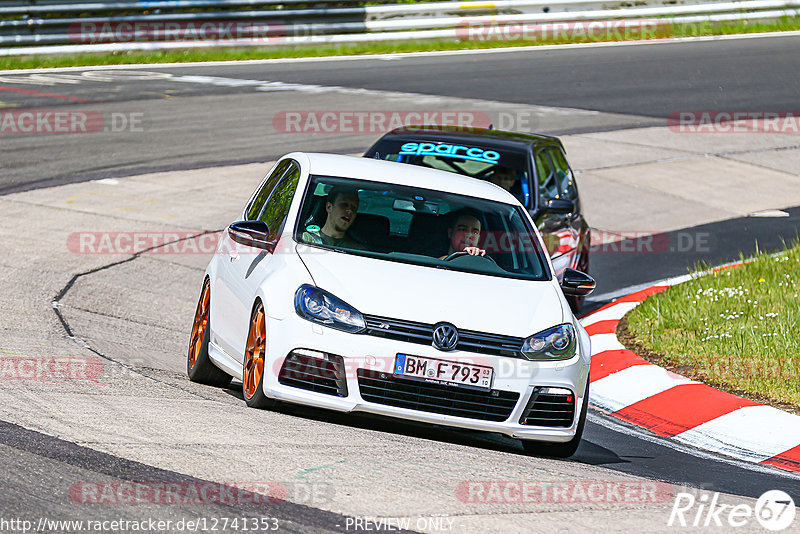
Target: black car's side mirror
560	206
576	283
252	234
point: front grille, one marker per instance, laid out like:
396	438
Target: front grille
422	333
382	388
323	374
554	407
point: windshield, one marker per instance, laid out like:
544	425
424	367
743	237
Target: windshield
507	168
420	226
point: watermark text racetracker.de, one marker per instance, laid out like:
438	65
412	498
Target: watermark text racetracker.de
649	242
734	121
114	31
176	493
595	30
49	368
373	121
602	241
563	491
200	492
144	242
60	121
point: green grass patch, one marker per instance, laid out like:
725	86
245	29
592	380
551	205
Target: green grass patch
736	329
386	47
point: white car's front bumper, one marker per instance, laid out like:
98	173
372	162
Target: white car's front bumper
362	351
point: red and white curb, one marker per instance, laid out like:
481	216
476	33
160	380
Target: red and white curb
634	390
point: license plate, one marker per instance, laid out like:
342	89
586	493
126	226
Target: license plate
435	371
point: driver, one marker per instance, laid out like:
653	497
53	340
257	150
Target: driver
341	208
464	233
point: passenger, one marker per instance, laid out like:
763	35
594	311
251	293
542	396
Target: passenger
505	177
464	233
341	207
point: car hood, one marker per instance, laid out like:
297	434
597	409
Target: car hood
429	295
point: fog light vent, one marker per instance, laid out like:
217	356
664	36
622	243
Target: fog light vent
549	406
314	371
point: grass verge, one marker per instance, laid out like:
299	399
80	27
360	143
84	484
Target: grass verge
736	329
229	54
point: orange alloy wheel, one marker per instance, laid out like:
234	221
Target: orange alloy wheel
254	354
200	324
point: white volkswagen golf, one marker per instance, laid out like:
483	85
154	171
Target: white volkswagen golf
363	285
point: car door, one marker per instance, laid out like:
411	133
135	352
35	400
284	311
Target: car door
232	296
569	191
560	231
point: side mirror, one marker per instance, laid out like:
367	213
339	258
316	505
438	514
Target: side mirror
576	283
560	206
252	234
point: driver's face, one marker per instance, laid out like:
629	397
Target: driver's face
342	212
465	233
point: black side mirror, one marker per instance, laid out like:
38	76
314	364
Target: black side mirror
252	234
560	206
576	283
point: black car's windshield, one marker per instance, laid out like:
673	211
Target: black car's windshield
420	226
507	168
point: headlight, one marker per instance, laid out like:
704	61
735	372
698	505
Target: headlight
557	343
316	305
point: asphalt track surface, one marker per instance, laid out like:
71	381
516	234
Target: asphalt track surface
646	80
195	125
645	84
40	469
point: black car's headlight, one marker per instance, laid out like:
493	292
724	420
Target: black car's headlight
321	307
557	343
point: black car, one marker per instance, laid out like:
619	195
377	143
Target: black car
533	168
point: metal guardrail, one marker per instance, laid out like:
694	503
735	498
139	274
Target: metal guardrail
62	26
31	7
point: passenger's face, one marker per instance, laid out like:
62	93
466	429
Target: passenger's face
465	233
504	179
342	212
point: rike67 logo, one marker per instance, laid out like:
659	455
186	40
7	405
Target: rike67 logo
774	510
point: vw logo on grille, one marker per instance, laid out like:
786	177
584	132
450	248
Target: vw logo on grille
445	336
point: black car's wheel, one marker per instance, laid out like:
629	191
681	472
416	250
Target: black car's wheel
561	450
198	364
576	303
255	354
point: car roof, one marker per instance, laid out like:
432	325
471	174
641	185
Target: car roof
480	136
400	173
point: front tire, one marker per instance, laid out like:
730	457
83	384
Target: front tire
561	450
198	364
254	361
